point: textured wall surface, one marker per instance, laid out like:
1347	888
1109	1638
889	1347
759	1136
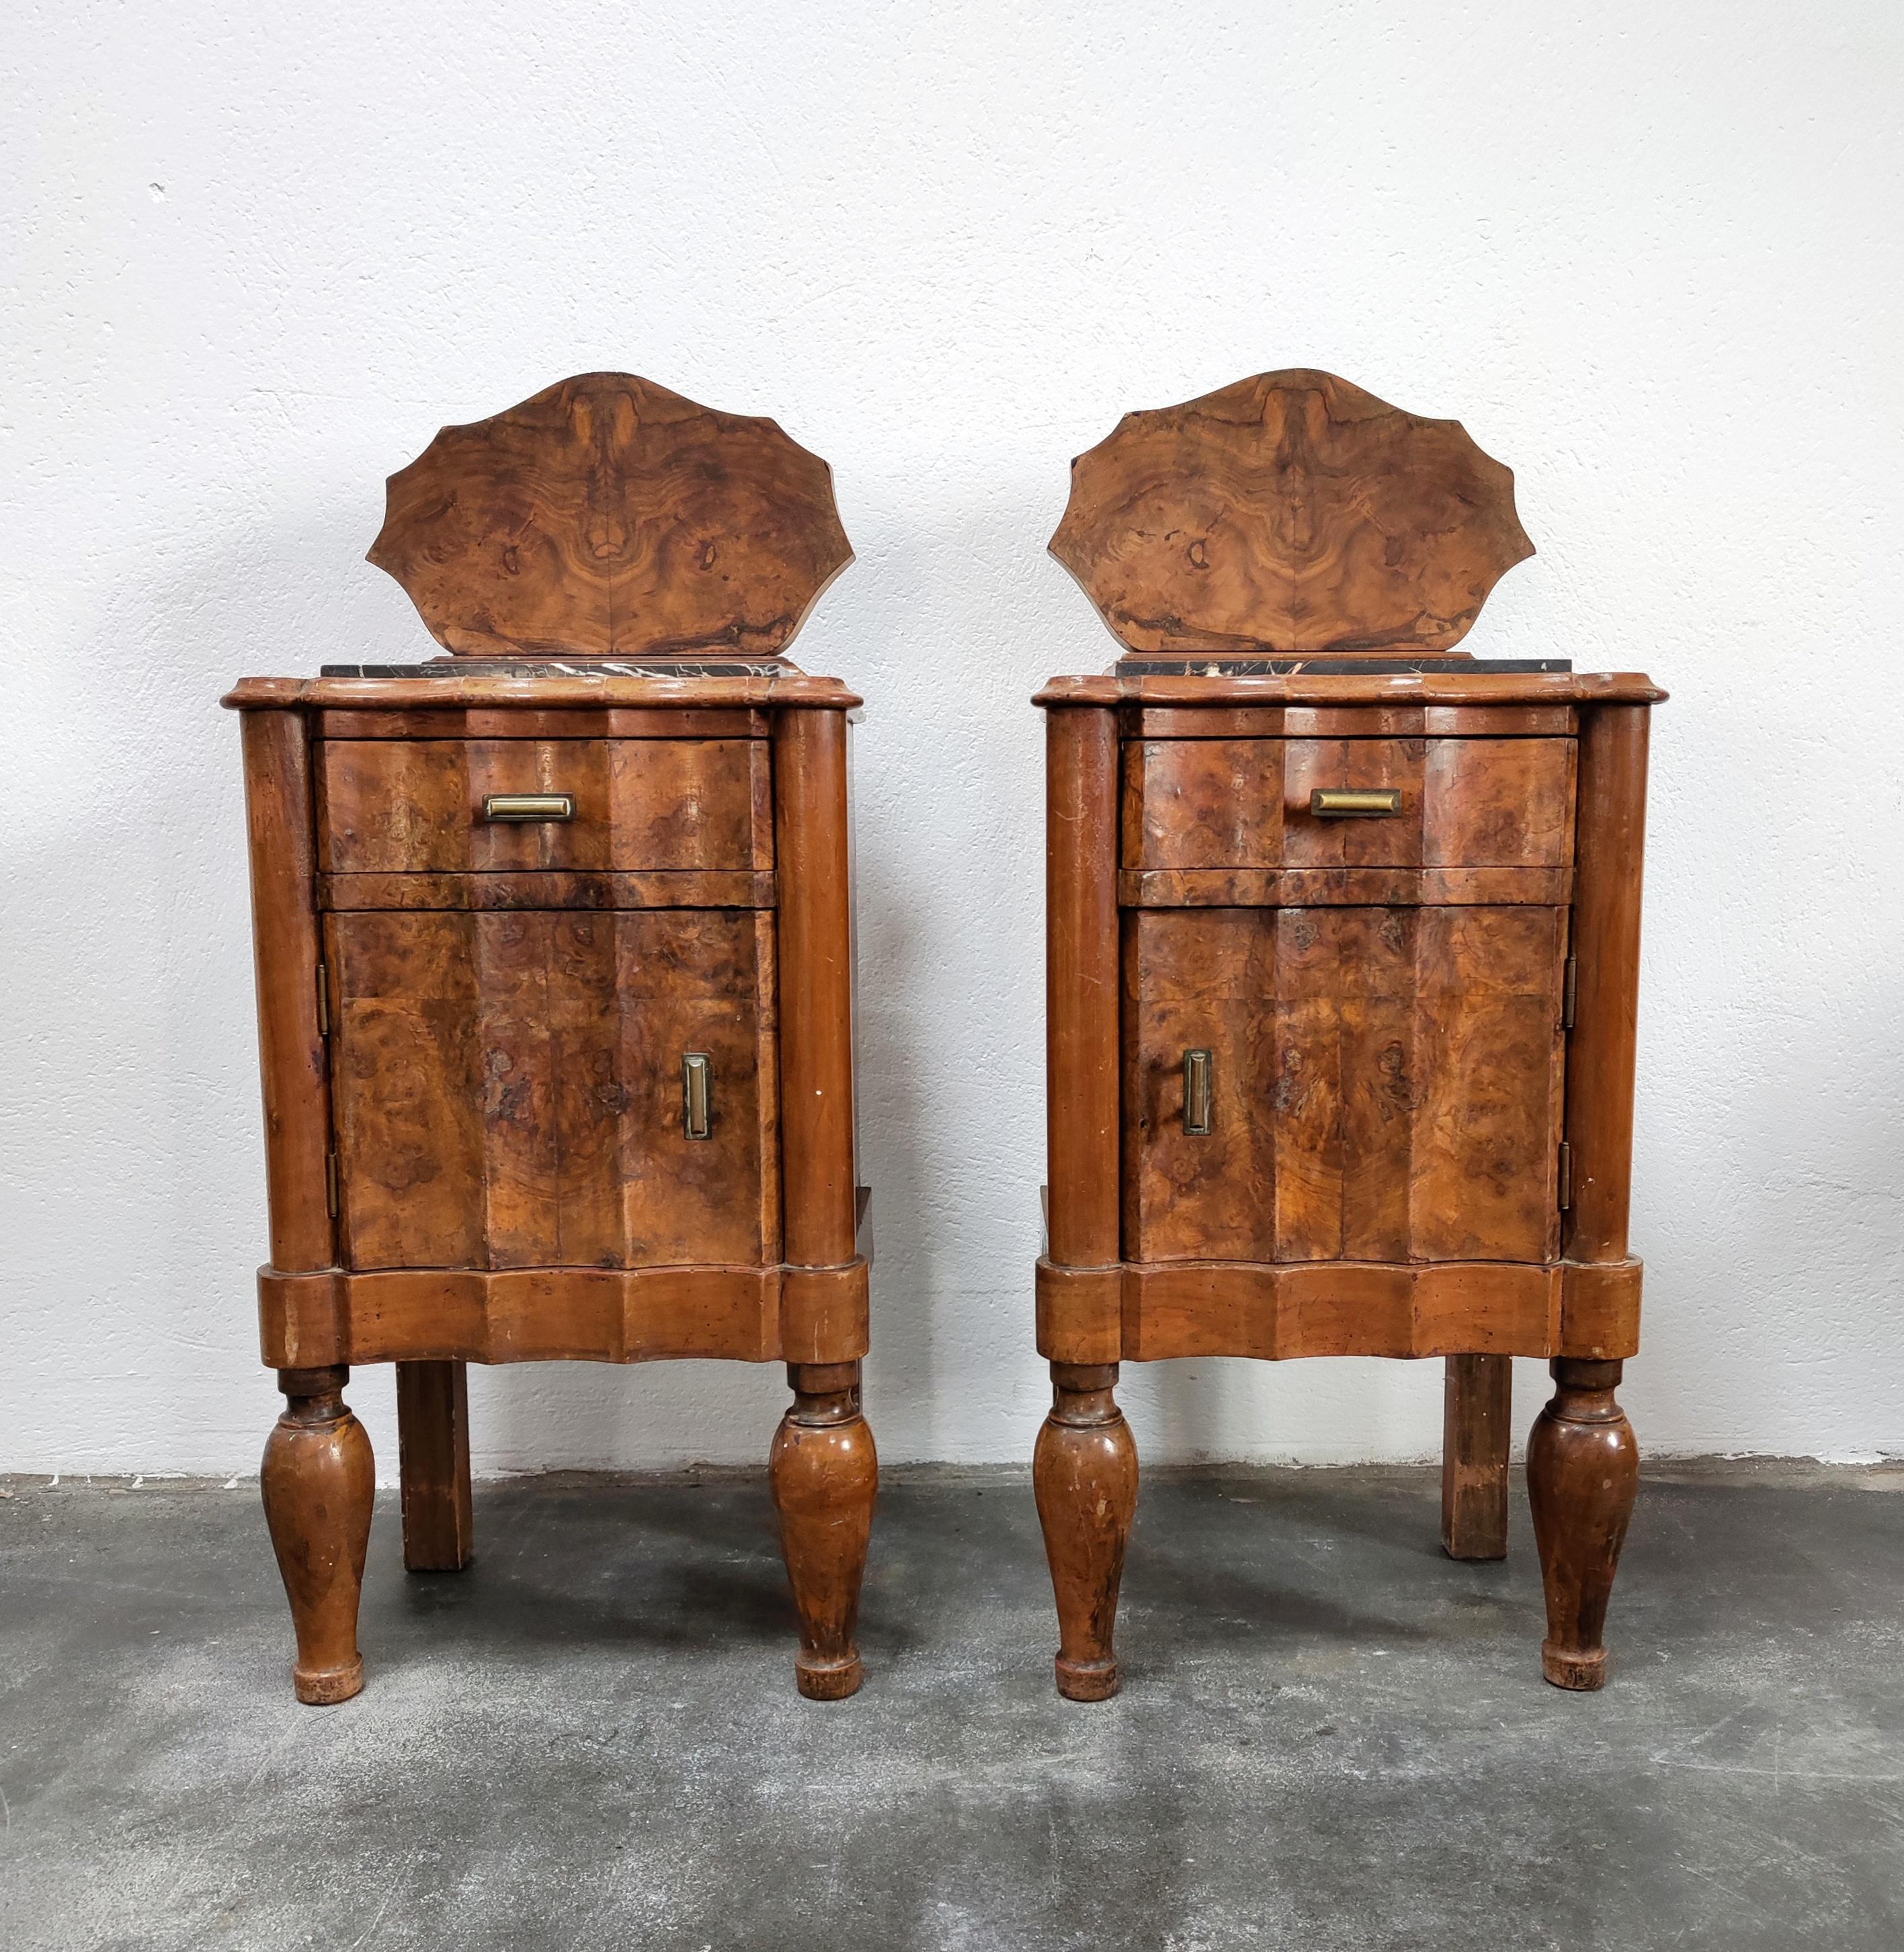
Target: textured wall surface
1650	255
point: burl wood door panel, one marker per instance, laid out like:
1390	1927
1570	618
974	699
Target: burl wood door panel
508	1088
1386	1084
415	805
1209	803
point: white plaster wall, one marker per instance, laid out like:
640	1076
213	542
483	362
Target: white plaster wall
1650	254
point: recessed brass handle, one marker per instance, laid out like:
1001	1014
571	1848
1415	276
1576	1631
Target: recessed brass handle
1199	1068
529	806
1354	803
697	1094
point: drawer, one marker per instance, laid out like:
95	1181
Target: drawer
1194	804
429	806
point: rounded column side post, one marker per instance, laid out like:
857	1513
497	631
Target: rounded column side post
1602	1048
1085	1465
1582	1460
1081	985
823	1468
814	956
286	947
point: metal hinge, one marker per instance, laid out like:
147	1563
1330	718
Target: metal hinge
330	1184
1566	1177
1570	983
323	1001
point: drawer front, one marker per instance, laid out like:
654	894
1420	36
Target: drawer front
508	1089
1381	1083
422	805
1198	804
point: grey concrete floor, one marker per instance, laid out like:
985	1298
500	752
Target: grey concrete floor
1330	1736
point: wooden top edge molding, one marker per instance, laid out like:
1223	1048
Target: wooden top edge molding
795	691
1453	687
1289	512
607	516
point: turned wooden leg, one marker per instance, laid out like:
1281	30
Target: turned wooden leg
1477	1407
1084	1472
1583	1470
433	1437
317	1481
824	1472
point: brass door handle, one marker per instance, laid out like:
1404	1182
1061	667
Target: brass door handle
528	806
1199	1068
1355	802
697	1094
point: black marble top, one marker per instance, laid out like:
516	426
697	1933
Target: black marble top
1314	666
455	668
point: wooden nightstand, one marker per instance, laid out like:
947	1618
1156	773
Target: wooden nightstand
1344	947
554	960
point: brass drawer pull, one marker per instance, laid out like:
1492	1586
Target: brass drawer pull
529	806
697	1094
1354	802
1198	1074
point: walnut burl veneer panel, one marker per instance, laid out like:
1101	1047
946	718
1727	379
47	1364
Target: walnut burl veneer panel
1289	512
1386	1084
508	1088
415	806
1201	803
608	517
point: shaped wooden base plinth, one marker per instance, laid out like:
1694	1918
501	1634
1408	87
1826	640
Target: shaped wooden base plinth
825	1474
317	1479
1084	1473
1583	1473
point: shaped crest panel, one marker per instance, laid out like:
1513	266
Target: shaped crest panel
610	518
1289	512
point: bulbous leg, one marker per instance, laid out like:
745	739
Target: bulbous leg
318	1480
1084	1473
1477	1404
824	1473
1583	1472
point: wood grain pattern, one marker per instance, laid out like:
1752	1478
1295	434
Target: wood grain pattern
826	1316
1203	803
1349	721
292	1064
1338	888
521	1314
529	720
508	1088
824	1472
1282	1313
607	516
1080	987
1291	511
552	888
1603	1051
1583	1476
389	806
317	1481
1084	1474
1387	1083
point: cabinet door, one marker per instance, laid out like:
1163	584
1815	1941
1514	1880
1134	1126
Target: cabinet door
508	1088
1385	1083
